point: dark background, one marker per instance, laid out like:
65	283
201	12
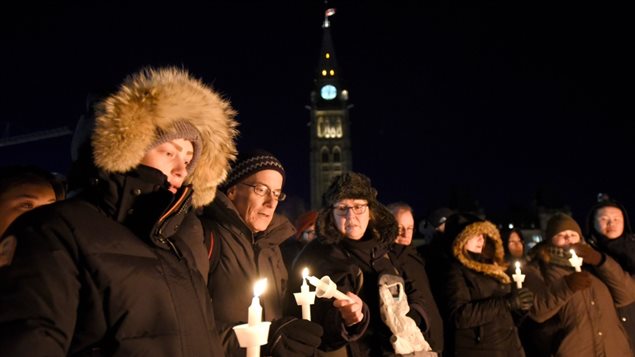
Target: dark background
502	104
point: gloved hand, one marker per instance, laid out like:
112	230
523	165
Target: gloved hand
590	255
578	280
289	336
520	299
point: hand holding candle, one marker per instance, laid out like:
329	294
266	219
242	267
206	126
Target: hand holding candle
305	298
518	277
575	261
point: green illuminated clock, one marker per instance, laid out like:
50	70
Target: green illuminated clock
328	92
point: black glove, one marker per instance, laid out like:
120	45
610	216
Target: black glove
289	336
588	254
578	280
520	299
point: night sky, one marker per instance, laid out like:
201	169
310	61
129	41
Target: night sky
501	102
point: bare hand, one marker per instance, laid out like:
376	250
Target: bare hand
351	311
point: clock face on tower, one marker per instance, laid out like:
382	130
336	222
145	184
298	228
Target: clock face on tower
328	92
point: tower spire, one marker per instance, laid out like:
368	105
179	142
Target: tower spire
328	13
330	135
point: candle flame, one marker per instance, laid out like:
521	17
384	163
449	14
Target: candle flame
305	273
259	287
517	265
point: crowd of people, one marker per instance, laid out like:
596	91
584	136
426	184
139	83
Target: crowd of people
154	246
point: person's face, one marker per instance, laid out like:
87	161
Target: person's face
515	245
475	243
565	238
406	224
441	228
610	222
350	224
308	234
171	158
257	211
22	198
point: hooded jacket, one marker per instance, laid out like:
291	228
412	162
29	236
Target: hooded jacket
238	259
586	320
108	272
356	266
622	249
477	290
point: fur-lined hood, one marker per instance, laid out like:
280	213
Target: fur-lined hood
382	226
154	99
493	245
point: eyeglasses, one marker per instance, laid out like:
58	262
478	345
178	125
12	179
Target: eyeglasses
262	190
357	209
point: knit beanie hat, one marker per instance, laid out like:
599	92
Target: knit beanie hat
439	216
306	220
251	162
561	222
180	130
349	185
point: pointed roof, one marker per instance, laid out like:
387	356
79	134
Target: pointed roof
328	69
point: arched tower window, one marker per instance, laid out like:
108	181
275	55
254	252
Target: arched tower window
337	154
325	154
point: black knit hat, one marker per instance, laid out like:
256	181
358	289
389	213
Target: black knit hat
561	222
249	163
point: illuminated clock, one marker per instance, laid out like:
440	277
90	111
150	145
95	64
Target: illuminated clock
328	92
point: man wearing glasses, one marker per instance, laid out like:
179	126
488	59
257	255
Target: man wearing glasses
244	234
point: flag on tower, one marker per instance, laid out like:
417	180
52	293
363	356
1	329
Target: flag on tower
330	12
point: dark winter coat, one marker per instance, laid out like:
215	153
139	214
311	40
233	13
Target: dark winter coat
477	290
622	249
106	274
587	321
238	259
414	266
355	266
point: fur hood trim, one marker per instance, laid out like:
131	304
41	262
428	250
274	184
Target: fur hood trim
491	234
126	125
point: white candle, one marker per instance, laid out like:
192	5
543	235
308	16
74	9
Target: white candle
304	288
518	276
305	298
575	261
254	316
326	288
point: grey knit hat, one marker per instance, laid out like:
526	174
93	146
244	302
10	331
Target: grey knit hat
249	163
180	130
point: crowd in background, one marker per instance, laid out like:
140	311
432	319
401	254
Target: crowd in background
154	245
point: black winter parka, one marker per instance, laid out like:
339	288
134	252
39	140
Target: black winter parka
106	273
238	259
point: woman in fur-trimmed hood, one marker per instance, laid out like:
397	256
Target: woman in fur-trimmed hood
480	297
353	248
119	268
